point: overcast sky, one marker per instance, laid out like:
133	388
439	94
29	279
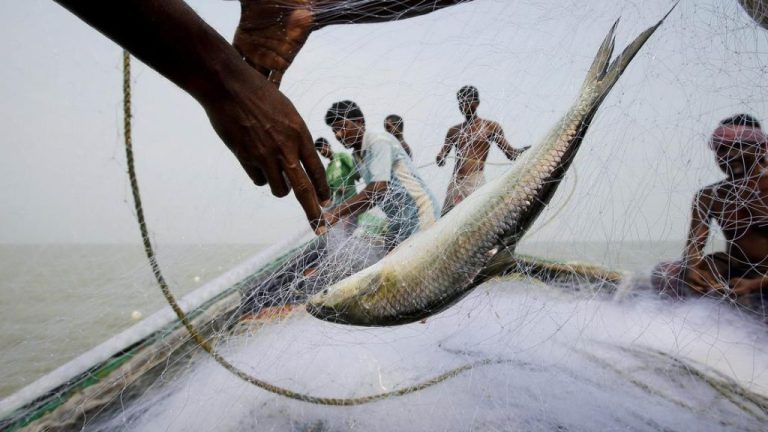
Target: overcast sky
62	173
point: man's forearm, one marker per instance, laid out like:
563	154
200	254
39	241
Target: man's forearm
167	35
444	151
359	203
329	12
511	153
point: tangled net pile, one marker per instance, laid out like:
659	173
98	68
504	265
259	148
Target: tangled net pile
585	351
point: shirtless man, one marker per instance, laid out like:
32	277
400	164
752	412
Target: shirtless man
472	141
394	125
739	205
257	122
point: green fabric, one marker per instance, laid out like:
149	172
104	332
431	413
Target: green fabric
341	175
372	225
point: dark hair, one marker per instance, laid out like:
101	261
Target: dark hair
321	142
344	110
468	93
741	120
396	120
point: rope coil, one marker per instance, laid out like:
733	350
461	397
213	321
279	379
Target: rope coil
198	338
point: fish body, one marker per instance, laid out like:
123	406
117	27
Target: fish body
440	265
757	10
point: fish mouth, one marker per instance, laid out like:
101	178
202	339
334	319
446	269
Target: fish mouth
344	302
332	314
331	304
347	313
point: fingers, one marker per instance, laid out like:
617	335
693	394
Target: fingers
316	173
276	179
330	218
742	286
266	61
741	290
305	194
255	173
238	44
276	77
264	55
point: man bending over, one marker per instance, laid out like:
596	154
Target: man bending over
391	181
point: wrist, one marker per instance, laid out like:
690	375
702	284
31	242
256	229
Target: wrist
224	76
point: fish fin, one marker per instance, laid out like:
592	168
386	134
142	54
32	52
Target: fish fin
601	77
600	63
614	70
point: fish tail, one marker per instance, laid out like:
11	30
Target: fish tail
603	57
603	73
601	77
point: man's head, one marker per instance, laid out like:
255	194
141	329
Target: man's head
324	148
347	122
469	99
394	125
741	120
740	146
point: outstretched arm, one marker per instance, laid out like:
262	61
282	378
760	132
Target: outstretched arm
447	146
497	136
362	201
272	32
259	125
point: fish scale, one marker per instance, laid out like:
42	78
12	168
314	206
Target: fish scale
438	266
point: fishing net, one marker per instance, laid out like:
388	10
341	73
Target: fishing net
571	335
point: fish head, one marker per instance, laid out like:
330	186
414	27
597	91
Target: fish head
345	301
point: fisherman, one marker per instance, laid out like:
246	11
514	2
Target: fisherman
257	122
739	205
391	180
472	141
394	125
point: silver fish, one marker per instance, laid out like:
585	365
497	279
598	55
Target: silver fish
438	266
757	10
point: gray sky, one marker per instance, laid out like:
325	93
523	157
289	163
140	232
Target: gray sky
62	176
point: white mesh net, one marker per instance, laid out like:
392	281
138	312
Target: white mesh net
574	336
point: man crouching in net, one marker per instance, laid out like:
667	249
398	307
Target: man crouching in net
391	180
391	183
739	205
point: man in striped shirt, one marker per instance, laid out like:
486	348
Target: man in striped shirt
391	180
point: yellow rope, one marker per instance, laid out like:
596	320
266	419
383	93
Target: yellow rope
199	339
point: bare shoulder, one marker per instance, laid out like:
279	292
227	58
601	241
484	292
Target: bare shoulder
492	126
708	196
453	131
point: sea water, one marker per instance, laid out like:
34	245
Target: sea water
58	301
